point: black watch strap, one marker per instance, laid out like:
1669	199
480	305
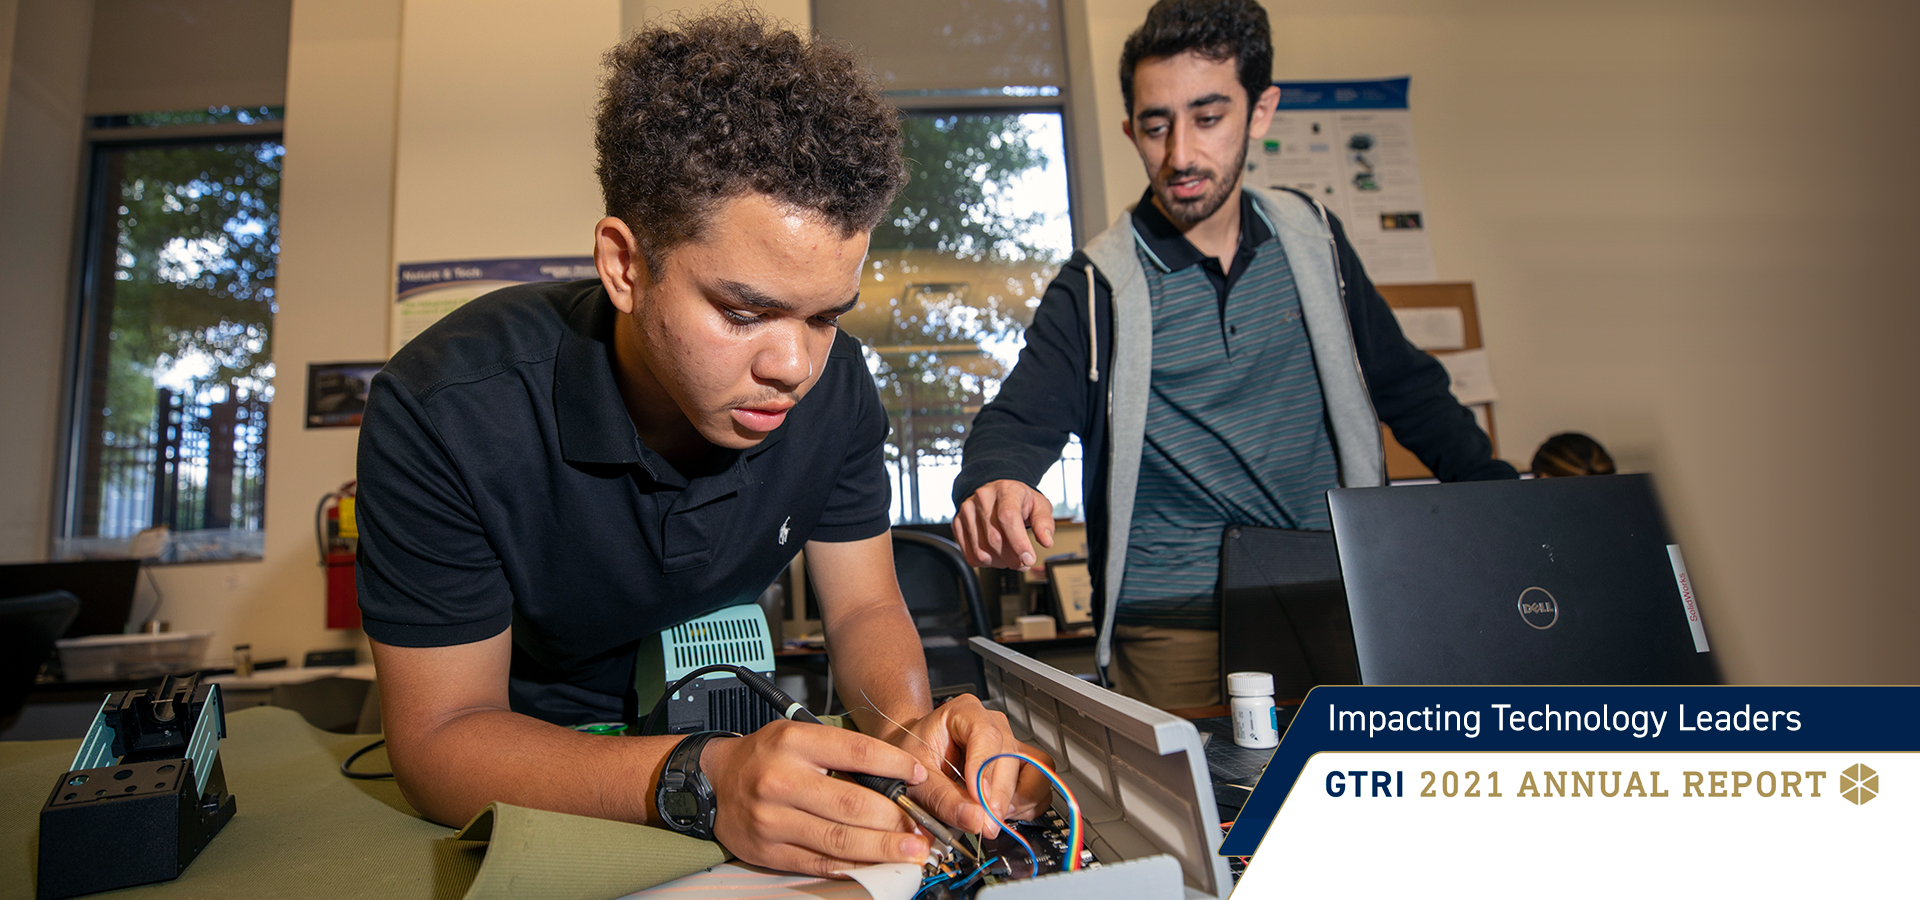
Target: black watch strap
685	798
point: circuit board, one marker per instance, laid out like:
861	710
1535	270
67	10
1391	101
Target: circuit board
1047	834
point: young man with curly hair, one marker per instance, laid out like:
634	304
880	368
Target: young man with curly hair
1222	356
556	472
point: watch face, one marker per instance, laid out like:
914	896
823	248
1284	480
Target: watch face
681	805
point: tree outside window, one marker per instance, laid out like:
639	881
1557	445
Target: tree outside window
956	270
177	356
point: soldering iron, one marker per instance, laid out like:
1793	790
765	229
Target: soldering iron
947	847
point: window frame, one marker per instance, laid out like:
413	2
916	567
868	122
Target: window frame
931	103
984	103
101	137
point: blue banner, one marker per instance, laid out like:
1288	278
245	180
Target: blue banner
1583	719
415	277
1385	93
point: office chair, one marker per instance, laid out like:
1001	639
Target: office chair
943	595
28	627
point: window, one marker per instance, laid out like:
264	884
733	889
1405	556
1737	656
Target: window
959	263
175	362
956	270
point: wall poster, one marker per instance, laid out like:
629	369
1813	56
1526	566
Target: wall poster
1349	144
426	292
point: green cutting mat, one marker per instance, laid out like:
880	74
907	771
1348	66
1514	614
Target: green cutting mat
304	831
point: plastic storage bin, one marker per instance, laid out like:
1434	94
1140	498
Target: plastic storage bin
105	657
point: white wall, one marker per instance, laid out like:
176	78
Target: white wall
187	54
1088	159
495	154
40	154
1644	259
1108	22
8	10
336	203
1708	281
634	13
416	129
1688	225
1688	242
495	137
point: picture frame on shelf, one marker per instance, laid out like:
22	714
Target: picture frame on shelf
1070	588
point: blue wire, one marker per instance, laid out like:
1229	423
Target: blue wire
976	874
929	883
1073	828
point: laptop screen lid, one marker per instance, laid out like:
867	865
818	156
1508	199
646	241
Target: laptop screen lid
1544	581
1283	610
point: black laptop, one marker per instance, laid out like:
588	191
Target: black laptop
1544	581
1283	610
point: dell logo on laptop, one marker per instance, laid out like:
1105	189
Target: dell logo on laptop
1538	608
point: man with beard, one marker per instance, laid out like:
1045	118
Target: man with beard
1220	353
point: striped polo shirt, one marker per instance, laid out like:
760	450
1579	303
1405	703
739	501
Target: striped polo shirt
1236	428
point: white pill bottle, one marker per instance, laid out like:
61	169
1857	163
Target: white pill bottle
1255	721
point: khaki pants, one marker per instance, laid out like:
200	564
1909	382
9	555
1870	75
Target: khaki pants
1171	668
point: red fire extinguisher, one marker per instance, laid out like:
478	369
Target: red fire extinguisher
339	536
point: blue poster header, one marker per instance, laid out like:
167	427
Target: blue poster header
1592	719
516	270
1386	93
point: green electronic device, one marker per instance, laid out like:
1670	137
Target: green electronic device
737	635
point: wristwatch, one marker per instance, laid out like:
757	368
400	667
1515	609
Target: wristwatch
685	797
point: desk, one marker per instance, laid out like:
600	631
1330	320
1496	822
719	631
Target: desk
304	831
1084	636
301	831
331	697
1069	651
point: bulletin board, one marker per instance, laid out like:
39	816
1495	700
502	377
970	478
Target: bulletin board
1401	463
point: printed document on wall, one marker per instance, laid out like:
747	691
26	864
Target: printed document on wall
1472	380
1349	144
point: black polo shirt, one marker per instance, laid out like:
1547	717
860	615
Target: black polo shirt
1164	240
502	482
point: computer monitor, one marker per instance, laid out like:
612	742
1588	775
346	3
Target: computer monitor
105	588
1544	581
